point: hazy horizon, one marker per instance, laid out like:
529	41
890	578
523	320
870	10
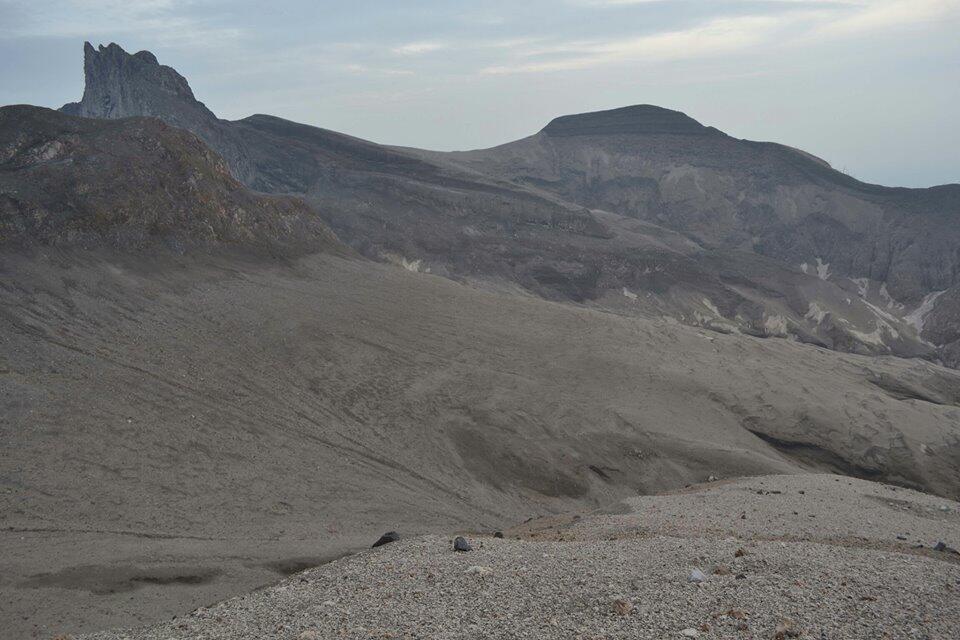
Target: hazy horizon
445	77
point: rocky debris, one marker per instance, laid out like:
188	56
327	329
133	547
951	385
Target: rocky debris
690	632
309	634
721	570
739	553
387	538
696	576
548	589
460	544
498	534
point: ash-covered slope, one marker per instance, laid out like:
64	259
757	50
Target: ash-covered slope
66	180
460	217
182	429
662	166
898	245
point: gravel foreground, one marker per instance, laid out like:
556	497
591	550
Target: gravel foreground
859	572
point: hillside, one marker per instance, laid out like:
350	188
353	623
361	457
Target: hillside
180	428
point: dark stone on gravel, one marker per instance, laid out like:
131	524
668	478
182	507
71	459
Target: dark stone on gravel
498	534
388	537
941	546
460	544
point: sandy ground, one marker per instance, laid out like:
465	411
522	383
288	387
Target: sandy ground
846	576
172	428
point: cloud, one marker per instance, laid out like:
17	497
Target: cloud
871	16
721	35
164	21
811	20
417	48
362	69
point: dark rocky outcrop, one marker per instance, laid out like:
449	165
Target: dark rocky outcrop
134	183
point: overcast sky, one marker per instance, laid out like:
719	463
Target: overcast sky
872	86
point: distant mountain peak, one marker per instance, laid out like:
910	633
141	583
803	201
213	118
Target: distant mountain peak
119	85
643	119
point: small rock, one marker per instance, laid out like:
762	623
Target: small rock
721	570
696	576
388	537
712	479
309	634
940	546
622	607
739	553
741	576
690	633
478	570
460	544
498	534
328	603
786	628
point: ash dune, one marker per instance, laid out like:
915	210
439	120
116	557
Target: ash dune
206	382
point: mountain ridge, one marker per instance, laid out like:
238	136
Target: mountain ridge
527	214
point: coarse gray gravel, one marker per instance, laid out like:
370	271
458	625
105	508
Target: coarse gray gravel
632	586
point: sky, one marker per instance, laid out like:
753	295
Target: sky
871	86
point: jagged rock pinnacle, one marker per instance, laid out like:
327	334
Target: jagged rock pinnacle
120	85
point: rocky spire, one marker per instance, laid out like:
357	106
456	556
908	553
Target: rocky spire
120	85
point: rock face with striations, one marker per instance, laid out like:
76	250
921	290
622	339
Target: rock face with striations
120	85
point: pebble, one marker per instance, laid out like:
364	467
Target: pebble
460	544
690	632
388	537
696	576
622	607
